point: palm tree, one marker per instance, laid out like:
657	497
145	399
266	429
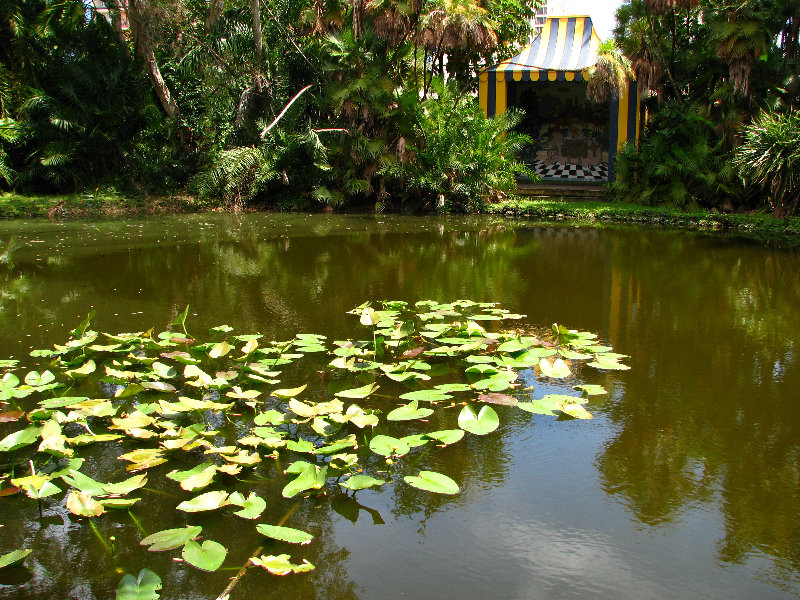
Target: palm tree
741	36
609	76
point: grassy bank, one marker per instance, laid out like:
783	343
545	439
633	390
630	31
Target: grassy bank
759	225
97	204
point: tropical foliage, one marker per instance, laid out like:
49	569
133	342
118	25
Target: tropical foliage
720	62
167	94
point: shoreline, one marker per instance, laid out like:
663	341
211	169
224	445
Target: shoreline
110	205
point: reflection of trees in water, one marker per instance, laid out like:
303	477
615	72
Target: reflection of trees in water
710	408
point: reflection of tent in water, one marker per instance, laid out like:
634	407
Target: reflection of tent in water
573	138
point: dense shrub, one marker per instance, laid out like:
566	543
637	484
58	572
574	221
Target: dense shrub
770	159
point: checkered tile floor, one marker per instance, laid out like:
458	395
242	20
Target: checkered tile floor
571	172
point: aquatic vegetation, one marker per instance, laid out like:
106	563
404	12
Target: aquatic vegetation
224	407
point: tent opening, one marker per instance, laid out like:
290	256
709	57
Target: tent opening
570	134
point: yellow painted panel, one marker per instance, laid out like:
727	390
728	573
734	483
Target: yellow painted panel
535	75
483	92
501	97
517	75
569	75
551	75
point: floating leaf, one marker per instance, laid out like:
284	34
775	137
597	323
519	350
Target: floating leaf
591	389
432	481
361	482
602	361
289	393
196	478
87	368
83	505
427	395
219	350
484	422
11	416
204	502
285	534
557	369
143	587
409	412
388	446
170	538
208	557
446	436
252	506
501	399
13	558
19	439
309	477
358	393
118	503
123	488
280	565
575	410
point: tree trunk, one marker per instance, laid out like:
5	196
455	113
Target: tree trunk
214	13
115	11
144	43
257	41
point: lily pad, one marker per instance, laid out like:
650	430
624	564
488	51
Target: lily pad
284	534
280	565
431	481
388	446
170	538
207	557
484	422
143	587
409	412
361	482
13	558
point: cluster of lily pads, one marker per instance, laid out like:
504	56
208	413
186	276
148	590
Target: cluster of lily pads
159	393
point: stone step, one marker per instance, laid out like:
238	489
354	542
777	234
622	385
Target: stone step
547	189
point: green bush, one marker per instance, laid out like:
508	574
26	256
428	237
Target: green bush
679	164
459	159
770	159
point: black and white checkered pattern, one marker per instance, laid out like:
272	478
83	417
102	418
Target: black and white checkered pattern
571	172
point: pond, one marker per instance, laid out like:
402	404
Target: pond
686	483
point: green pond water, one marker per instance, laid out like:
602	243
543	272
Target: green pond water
686	484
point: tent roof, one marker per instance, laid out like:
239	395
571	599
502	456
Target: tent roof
565	44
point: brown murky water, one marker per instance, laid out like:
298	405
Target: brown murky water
686	484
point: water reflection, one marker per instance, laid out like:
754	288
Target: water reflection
712	415
697	447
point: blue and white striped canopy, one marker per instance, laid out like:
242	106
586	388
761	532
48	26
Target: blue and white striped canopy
564	48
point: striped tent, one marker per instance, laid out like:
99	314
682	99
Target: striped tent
562	52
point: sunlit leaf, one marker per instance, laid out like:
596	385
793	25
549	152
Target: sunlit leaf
19	439
409	412
427	395
207	557
432	481
289	393
591	389
446	436
170	538
388	446
284	534
557	368
83	505
358	393
252	506
484	422
280	565
361	482
13	558
196	478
